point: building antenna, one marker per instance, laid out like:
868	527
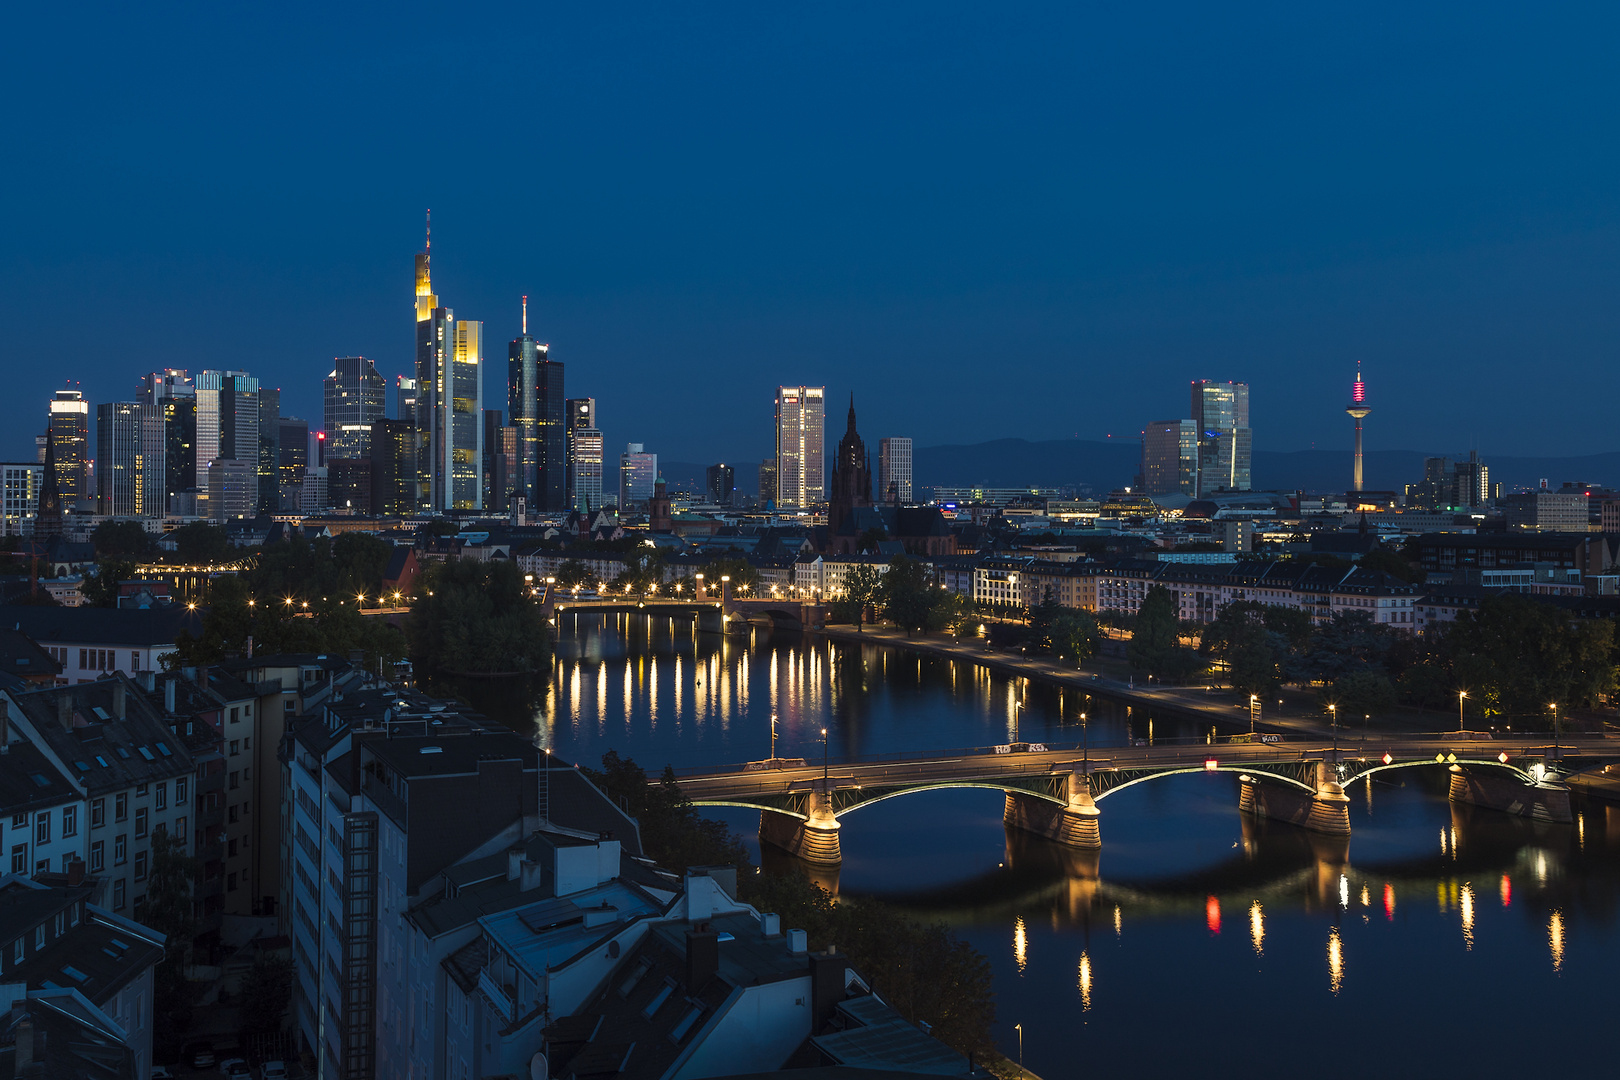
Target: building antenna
525	316
428	249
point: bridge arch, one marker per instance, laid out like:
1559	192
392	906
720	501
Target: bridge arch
1492	762
1248	769
740	805
948	784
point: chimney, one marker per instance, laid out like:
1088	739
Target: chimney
75	872
168	695
702	957
64	710
770	924
118	692
149	681
798	944
826	985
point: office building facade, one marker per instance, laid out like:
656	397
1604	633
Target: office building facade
269	495
894	470
539	411
1225	443
20	482
131	446
722	484
70	433
393	477
638	471
171	392
1170	458
227	418
767	482
581	414
292	457
449	400
586	471
355	395
801	468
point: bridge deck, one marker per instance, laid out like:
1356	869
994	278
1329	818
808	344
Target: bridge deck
985	764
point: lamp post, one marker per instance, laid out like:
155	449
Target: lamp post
773	736
1254	700
1085	745
824	784
1020	1029
1018	707
1554	708
1333	711
1460	695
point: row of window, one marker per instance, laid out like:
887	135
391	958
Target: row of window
42	824
102	660
45	933
160	800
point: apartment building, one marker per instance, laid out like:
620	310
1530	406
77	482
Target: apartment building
91	643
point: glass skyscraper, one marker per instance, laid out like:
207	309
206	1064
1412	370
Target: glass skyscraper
70	434
171	393
1170	458
537	409
801	467
449	400
131	447
355	396
894	470
1225	443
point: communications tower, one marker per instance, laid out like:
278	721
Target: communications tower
1359	410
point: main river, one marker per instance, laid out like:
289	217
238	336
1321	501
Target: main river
1441	939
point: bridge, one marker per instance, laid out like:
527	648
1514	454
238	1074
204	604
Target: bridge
716	610
1055	792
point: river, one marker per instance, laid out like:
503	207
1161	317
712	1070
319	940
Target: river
1198	942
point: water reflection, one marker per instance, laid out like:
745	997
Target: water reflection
1555	939
1335	956
1020	945
1467	910
1257	928
1085	982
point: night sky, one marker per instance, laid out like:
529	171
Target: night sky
985	220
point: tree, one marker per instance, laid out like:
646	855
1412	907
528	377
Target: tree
1361	693
911	599
101	588
744	578
870	539
266	993
1351	642
862	587
643	570
1155	646
672	833
121	539
1075	635
575	574
200	543
477	617
1394	565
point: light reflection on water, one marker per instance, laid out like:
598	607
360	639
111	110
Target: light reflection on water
1175	855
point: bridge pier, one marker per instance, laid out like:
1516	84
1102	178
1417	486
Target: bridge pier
815	840
1326	811
1546	800
1075	824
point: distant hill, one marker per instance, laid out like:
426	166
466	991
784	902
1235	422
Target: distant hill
1103	466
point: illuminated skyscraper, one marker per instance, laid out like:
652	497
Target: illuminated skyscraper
638	471
801	467
227	418
587	469
131	448
269	484
581	413
721	483
70	434
292	459
171	393
1358	410
1170	458
1225	444
449	400
894	470
538	411
355	396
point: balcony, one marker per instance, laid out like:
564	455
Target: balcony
499	997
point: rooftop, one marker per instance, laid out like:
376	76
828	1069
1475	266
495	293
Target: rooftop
126	627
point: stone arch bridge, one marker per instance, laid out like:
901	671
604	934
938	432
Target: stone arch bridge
1057	793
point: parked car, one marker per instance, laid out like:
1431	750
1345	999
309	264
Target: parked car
160	1072
200	1054
235	1069
273	1070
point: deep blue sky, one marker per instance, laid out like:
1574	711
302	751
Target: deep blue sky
986	220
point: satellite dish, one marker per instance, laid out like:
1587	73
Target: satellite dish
538	1068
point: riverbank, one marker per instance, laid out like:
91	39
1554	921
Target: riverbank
1198	703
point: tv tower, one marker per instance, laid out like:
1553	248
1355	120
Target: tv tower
1358	409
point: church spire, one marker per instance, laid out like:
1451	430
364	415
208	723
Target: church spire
852	412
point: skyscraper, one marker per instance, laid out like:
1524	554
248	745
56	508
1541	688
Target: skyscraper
722	484
293	459
355	396
20	482
70	432
171	393
269	493
449	399
1358	411
801	467
539	412
1225	445
581	413
767	482
227	418
894	470
500	462
404	398
393	491
638	471
1170	458
587	469
130	446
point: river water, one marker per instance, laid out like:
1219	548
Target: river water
1437	938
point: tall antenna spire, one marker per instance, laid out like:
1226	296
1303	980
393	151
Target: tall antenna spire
429	248
525	316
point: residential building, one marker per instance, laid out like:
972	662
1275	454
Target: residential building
638	471
20	483
90	642
587	470
23	660
132	448
449	400
70	433
801	471
581	414
1170	458
117	752
355	396
894	470
1220	414
88	969
822	576
171	392
43	826
1200	590
721	484
58	1032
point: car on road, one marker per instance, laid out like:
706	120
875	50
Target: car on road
235	1069
160	1072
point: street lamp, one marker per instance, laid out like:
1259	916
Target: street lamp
1460	695
1254	699
1554	708
1333	710
1020	1029
773	736
824	761
1085	744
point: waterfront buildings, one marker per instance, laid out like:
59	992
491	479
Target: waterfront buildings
449	400
894	470
638	471
1170	458
800	460
354	396
70	431
1220	413
132	448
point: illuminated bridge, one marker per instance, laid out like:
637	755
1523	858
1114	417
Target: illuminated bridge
1056	792
714	610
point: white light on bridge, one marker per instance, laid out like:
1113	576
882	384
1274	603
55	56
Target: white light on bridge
1210	764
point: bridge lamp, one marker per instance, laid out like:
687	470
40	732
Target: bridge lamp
1502	757
1210	764
1387	757
1460	695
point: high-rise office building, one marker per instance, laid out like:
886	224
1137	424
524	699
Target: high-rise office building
227	418
355	395
767	482
404	398
1170	458
70	436
539	412
589	457
292	458
581	414
171	392
500	462
20	482
638	471
801	466
722	484
1473	483
131	448
233	488
393	492
449	399
269	496
1225	444
894	470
